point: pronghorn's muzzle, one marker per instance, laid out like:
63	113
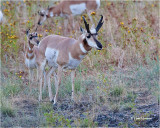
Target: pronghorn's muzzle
39	23
99	45
37	42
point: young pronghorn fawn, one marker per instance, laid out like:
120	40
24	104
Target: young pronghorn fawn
31	54
69	9
66	53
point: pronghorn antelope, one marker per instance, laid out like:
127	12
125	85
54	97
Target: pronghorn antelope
31	55
66	53
69	9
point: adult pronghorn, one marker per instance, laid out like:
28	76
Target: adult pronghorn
66	53
69	8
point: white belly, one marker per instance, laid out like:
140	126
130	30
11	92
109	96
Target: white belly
78	9
73	63
51	57
31	63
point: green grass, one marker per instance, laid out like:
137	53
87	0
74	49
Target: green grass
116	91
46	107
11	90
7	110
6	107
66	86
55	120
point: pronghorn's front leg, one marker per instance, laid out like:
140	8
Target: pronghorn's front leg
58	83
37	74
40	84
41	70
71	22
72	79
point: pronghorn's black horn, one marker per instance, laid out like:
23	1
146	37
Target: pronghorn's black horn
100	23
86	25
48	7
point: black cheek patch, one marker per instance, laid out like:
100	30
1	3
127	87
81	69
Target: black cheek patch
85	41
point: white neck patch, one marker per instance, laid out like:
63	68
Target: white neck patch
93	30
82	48
51	14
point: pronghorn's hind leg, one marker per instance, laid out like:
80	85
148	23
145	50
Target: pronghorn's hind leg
55	80
58	83
48	75
45	81
30	79
72	79
90	17
65	26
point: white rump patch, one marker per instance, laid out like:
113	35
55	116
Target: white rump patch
98	3
82	48
1	16
78	9
51	56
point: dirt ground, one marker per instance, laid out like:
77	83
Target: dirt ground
27	115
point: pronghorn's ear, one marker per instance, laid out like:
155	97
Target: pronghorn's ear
48	7
39	12
27	32
82	30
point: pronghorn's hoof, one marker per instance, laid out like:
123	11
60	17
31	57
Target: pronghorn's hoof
55	106
52	101
40	100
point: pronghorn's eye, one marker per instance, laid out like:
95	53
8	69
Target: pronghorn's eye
88	36
30	38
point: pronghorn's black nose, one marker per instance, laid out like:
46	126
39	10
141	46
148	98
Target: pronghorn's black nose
99	46
39	23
